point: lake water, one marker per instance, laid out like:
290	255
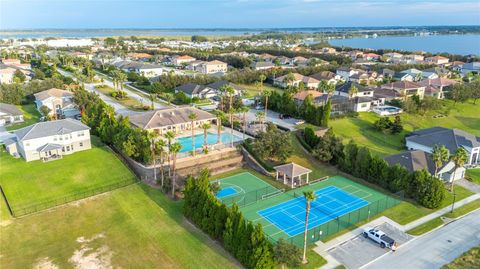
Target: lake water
453	44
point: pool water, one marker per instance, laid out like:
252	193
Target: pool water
212	139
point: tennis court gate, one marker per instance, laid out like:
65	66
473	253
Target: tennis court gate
343	222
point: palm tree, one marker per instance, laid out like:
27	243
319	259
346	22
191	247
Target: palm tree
261	117
169	136
192	116
160	151
439	155
266	94
219	115
230	92
290	77
175	148
352	91
221	92
459	158
152	98
244	110
205	126
231	111
309	197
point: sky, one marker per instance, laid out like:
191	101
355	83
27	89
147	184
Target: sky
63	14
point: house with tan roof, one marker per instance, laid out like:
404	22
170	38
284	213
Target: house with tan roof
405	89
6	74
309	82
212	67
436	87
183	59
301	96
437	60
170	119
60	102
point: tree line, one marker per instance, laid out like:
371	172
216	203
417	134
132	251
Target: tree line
421	186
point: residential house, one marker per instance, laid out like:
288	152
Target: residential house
412	58
218	85
452	139
300	96
417	160
361	101
347	72
212	67
405	89
6	74
438	60
300	61
262	65
9	114
414	73
182	60
388	73
402	77
393	57
194	64
473	67
49	140
436	72
371	57
196	91
328	76
309	82
139	56
171	119
437	87
283	60
60	102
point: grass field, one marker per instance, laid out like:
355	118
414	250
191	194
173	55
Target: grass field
426	227
127	101
463	116
252	90
474	175
131	227
30	116
468	260
378	202
27	183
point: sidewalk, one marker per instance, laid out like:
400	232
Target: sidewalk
322	248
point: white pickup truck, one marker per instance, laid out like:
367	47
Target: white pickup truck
380	237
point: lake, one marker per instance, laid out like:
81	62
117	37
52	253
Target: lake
453	44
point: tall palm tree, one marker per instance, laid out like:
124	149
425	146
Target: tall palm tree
230	92
261	117
152	98
244	110
309	197
219	115
231	112
440	154
205	126
169	136
352	91
221	92
160	151
459	158
266	94
175	148
192	116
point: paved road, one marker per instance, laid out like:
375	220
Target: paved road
435	249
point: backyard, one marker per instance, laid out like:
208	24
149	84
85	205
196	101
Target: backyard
30	183
131	227
463	116
126	101
30	116
252	90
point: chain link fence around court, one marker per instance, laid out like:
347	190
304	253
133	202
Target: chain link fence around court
340	223
247	198
21	210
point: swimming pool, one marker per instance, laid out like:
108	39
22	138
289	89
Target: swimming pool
387	110
212	139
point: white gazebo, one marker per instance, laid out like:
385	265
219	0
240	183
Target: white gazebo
292	173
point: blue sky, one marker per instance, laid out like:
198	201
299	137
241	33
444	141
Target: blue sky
18	14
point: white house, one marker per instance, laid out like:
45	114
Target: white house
49	140
212	67
181	60
6	75
437	60
194	90
60	102
452	139
9	114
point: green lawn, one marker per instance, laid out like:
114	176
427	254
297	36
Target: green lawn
30	116
127	101
426	227
131	227
474	175
27	183
463	116
468	260
252	90
464	209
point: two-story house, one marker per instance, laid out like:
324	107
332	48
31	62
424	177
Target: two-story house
60	102
212	67
10	114
405	89
49	140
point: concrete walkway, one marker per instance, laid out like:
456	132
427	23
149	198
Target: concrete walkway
468	185
322	248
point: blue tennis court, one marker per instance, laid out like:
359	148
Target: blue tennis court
330	203
226	192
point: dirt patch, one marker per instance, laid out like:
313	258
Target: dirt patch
89	257
4	223
45	263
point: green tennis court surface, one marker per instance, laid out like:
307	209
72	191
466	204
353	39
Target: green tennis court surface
253	195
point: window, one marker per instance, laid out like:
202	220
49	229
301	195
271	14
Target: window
81	144
80	134
55	139
68	148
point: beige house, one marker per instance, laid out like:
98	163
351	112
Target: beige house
10	114
309	82
49	140
406	89
212	67
60	102
437	60
184	59
6	75
171	119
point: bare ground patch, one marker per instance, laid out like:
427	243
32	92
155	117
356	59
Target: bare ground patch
90	257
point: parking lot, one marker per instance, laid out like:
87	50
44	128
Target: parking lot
359	251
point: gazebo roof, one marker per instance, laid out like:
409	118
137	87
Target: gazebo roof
292	170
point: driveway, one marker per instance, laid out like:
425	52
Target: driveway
273	117
359	250
433	250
